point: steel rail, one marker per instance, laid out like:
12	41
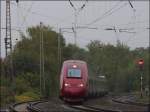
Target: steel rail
92	108
12	108
128	102
83	108
29	106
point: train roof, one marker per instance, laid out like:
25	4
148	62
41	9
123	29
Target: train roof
74	61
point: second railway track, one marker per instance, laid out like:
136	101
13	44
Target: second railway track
92	109
19	107
25	106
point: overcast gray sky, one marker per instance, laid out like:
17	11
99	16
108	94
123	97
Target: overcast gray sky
61	14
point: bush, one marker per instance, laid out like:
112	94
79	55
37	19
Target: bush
27	96
6	95
31	94
21	85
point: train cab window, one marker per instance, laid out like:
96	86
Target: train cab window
74	73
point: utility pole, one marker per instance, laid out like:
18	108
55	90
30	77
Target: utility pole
43	63
64	29
8	41
75	28
61	31
8	49
76	12
42	69
115	30
40	60
141	85
59	49
0	33
0	45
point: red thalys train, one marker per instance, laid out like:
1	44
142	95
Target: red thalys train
74	80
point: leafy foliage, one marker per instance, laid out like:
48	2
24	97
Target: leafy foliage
117	63
27	96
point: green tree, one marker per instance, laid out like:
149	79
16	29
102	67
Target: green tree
26	57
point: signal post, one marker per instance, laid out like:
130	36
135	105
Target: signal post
141	66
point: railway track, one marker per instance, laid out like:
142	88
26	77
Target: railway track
130	102
25	106
31	107
128	99
4	110
92	109
121	105
17	107
69	108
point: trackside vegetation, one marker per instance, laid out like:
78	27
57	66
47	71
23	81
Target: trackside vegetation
116	62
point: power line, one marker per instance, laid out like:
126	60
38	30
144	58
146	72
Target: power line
76	13
47	16
129	23
18	16
79	9
97	19
126	30
28	10
107	13
72	5
131	5
122	30
15	29
134	19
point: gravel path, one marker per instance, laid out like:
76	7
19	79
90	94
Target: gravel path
22	107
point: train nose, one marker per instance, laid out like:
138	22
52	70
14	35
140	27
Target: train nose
75	92
74	89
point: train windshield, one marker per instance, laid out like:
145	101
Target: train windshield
75	73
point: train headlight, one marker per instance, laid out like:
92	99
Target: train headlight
74	66
66	84
81	85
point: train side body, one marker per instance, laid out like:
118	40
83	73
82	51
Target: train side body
74	80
